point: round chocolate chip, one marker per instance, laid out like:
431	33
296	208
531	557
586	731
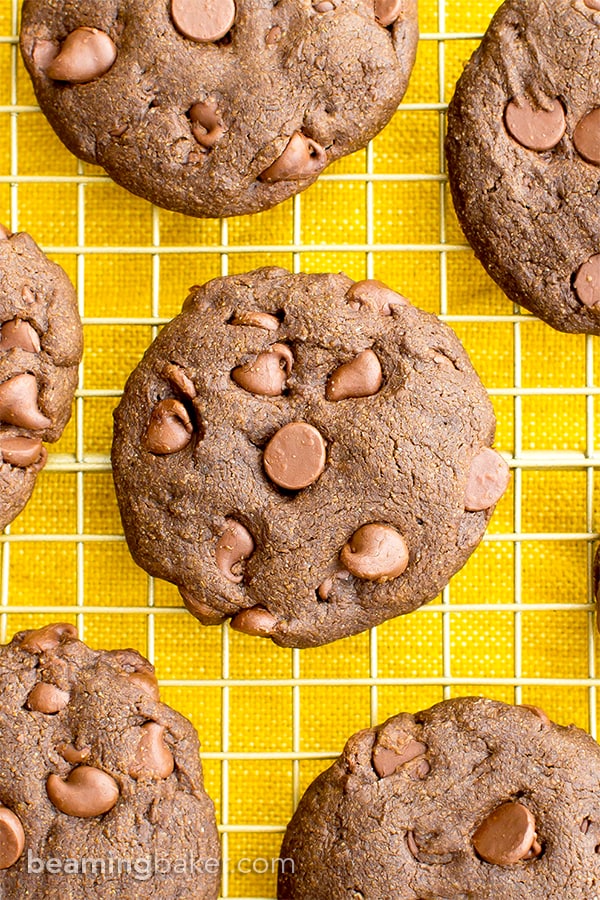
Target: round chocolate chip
376	296
375	552
587	282
12	838
301	158
267	374
18	333
47	638
586	137
295	456
22	451
387	11
86	54
47	698
535	129
507	835
592	4
207	124
256	621
386	761
361	377
169	429
203	20
153	759
488	479
85	793
234	546
255	318
19	403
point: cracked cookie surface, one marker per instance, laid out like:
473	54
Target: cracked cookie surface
523	150
40	349
218	109
304	454
472	799
93	767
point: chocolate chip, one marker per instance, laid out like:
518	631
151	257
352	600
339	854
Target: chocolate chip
592	4
361	377
47	698
47	638
323	6
180	379
507	835
203	612
301	158
412	844
86	54
169	429
17	333
387	11
19	403
267	374
234	546
585	826
376	296
535	129
255	318
256	621
386	761
295	456
586	137
152	758
487	481
22	452
203	20
146	682
207	124
537	711
12	838
587	281
86	792
375	552
5	234
273	35
72	755
138	671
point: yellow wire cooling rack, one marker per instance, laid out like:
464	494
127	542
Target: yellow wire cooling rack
516	624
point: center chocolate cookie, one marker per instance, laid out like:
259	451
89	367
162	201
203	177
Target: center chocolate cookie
523	152
101	790
304	454
218	108
469	800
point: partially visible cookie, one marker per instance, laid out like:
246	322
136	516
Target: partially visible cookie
470	800
218	108
101	790
40	348
304	454
523	150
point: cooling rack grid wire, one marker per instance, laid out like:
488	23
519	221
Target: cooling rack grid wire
516	624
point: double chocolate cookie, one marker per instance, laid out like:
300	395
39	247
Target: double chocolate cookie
523	151
469	799
40	349
218	108
101	792
306	455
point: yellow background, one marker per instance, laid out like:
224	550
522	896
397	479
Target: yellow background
515	624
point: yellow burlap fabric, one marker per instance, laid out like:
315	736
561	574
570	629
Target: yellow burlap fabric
259	706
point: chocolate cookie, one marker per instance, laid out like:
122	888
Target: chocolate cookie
101	792
469	799
523	151
218	109
307	455
40	348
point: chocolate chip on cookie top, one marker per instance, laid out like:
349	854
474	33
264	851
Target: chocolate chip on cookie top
523	151
93	765
40	348
218	107
305	455
471	798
